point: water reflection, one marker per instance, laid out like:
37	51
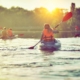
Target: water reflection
47	52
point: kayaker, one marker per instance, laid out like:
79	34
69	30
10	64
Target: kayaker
77	31
10	33
48	33
4	34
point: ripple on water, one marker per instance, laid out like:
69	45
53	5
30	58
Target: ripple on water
19	62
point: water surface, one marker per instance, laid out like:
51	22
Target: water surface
17	62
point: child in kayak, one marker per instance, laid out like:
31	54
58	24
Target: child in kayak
10	33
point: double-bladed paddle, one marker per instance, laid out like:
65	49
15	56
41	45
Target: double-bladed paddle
65	18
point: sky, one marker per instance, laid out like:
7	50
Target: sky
32	4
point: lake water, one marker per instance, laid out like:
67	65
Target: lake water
19	63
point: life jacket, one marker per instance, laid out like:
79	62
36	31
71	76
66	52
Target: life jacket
47	35
10	34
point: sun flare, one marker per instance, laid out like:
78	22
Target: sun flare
50	8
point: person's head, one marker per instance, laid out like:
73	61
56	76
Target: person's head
46	26
4	28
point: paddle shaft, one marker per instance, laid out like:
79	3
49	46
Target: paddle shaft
33	46
36	43
65	18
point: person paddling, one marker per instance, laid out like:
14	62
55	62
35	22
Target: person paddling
4	34
48	33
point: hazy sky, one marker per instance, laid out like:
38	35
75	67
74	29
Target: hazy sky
32	4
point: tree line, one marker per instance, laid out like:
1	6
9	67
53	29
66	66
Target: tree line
31	23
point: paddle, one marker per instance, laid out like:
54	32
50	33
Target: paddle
33	46
65	18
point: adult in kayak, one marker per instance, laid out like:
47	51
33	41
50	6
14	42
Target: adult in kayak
48	33
4	34
48	40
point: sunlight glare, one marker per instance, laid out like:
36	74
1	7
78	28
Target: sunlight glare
50	8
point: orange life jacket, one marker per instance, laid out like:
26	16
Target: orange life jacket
47	35
10	34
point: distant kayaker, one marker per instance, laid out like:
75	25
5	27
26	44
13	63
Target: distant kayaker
48	33
77	31
4	34
10	33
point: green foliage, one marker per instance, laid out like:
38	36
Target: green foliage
21	20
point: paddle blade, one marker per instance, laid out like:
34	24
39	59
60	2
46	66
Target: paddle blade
31	47
67	16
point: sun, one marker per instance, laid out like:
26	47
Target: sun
50	8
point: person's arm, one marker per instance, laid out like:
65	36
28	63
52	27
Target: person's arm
55	31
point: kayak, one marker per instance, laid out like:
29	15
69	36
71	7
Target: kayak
13	37
51	45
